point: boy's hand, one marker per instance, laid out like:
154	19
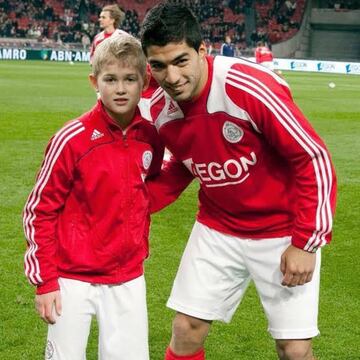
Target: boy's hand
44	305
297	266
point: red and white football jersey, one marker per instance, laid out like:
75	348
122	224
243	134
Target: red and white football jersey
263	170
100	37
263	54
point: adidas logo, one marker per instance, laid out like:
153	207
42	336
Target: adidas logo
96	135
172	108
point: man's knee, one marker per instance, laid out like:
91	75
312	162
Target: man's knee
294	349
189	331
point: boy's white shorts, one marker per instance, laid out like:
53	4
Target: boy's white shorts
121	314
216	269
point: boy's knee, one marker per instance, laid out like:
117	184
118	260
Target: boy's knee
294	349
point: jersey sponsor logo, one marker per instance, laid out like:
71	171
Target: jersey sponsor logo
172	108
96	135
146	159
232	132
231	172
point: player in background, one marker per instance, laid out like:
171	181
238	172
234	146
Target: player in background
263	55
227	48
267	188
110	19
87	219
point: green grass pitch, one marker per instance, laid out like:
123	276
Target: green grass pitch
36	98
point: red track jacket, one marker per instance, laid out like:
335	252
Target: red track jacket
87	217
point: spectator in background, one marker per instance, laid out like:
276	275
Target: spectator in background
227	48
110	19
264	56
291	7
254	38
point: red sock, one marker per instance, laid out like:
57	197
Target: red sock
169	355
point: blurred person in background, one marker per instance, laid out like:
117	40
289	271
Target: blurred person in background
264	56
227	48
110	19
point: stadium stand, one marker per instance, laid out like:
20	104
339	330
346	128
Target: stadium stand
342	26
72	24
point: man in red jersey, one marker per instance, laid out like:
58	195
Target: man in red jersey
267	188
110	19
264	56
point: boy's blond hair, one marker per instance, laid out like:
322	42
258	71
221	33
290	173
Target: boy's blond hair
115	13
123	47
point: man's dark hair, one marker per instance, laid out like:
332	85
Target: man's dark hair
170	22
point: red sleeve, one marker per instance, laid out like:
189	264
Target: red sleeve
290	134
40	217
167	187
158	156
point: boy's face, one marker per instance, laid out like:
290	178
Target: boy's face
179	69
120	85
105	20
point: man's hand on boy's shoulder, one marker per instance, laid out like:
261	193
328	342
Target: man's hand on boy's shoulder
44	304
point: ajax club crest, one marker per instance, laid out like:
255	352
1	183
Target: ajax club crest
232	132
146	159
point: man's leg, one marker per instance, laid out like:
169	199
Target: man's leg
291	312
210	283
188	337
294	349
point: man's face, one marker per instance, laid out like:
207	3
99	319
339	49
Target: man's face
105	20
179	69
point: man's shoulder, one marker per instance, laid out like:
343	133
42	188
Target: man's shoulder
99	36
234	69
239	84
163	108
157	103
120	32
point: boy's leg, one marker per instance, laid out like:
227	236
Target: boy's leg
123	322
67	338
291	311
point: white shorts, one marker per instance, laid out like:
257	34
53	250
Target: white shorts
121	315
216	269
